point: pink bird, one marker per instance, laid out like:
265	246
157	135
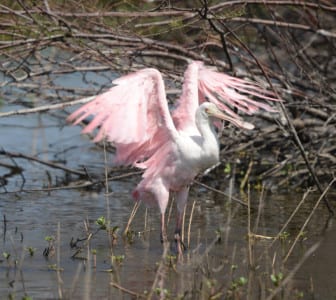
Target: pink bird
174	147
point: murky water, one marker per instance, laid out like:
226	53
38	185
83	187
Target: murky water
210	265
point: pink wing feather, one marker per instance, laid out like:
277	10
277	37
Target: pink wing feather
134	115
227	92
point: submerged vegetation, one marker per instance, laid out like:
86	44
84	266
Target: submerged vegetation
55	54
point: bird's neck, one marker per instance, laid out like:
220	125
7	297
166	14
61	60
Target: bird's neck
209	135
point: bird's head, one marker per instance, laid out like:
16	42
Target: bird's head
211	110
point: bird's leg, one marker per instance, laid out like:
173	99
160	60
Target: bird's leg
163	234
177	236
160	192
181	201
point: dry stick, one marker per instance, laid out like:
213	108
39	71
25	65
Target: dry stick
308	219
53	71
58	166
131	217
260	207
127	291
172	12
4	227
305	195
302	4
183	222
107	198
44	162
21	173
146	220
88	275
78	186
18	265
220	192
289	121
249	233
58	269
284	24
203	13
75	281
246	177
190	221
44	108
305	158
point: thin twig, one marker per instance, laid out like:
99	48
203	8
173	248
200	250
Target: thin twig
43	162
127	291
58	255
220	192
131	217
45	107
305	195
190	222
309	218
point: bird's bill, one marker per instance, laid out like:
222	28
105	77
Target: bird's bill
220	115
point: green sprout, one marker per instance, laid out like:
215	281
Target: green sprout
284	236
277	278
31	250
241	281
118	258
49	238
101	222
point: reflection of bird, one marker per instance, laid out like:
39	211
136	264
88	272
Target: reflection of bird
172	148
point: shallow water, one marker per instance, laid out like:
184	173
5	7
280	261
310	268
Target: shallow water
209	265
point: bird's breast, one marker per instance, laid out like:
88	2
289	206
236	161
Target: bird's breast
195	155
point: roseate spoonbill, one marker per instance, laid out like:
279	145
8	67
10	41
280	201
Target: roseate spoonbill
172	148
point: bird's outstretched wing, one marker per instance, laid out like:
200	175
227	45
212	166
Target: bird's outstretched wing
227	92
133	115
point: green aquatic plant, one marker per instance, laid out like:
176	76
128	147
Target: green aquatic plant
171	260
218	233
162	293
239	282
6	255
276	278
54	267
101	222
114	232
31	250
284	236
227	169
50	250
303	236
118	259
130	234
49	239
